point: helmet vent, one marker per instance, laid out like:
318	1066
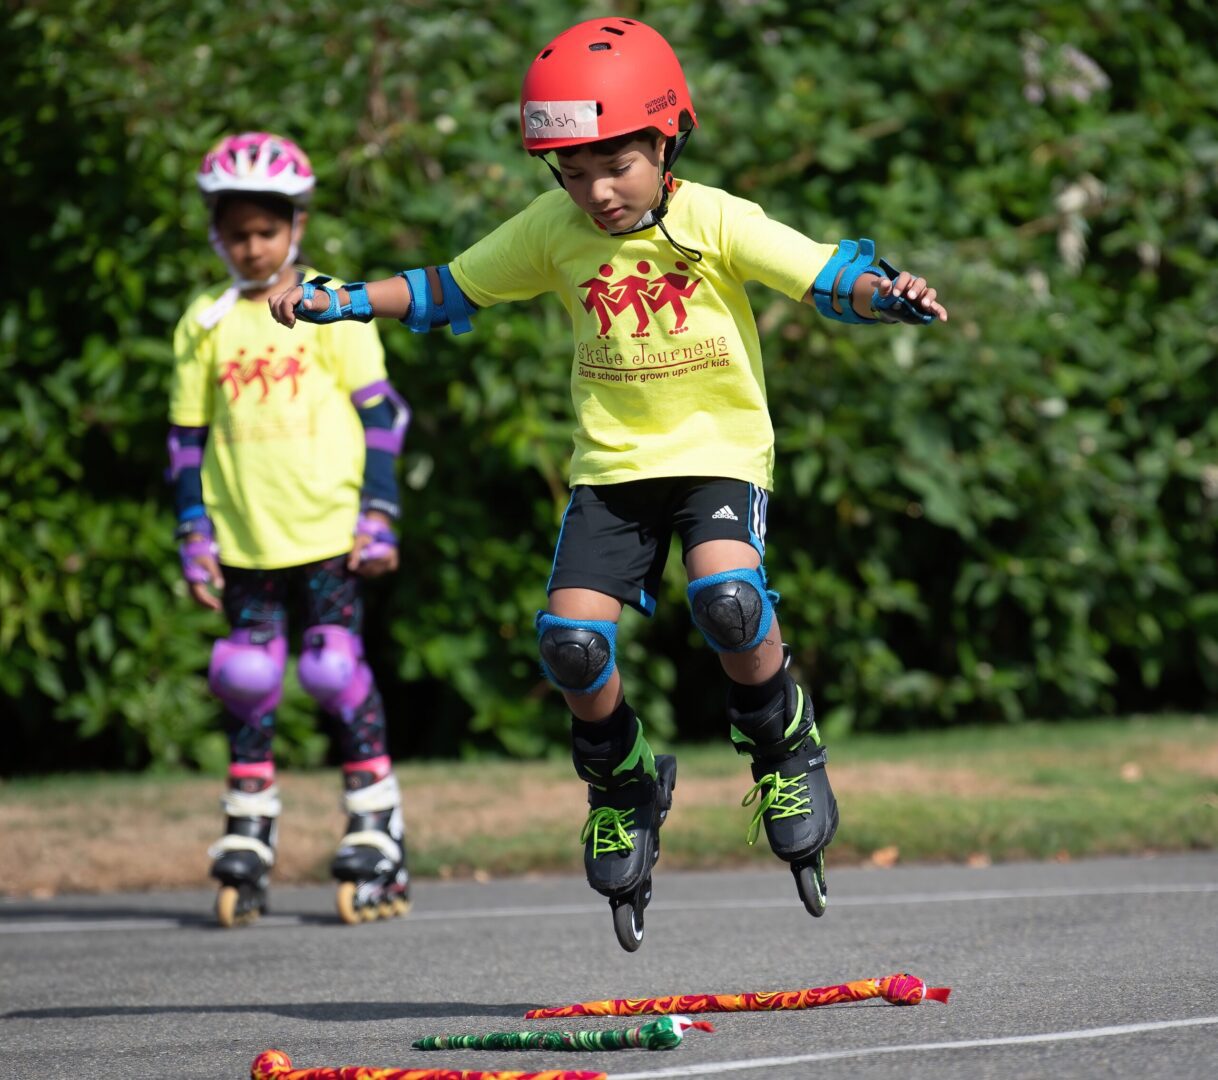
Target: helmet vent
613	30
599	46
545	54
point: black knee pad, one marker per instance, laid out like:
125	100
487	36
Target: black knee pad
733	610
577	657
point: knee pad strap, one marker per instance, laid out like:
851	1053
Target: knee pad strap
577	656
247	674
332	670
733	609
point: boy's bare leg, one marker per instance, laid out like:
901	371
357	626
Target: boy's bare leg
714	557
584	604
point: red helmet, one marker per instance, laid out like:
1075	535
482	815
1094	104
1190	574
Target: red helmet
602	78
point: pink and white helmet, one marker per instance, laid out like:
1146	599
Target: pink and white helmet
256	161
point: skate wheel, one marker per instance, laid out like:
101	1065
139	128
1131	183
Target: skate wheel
810	881
238	905
628	925
347	911
226	906
401	906
384	910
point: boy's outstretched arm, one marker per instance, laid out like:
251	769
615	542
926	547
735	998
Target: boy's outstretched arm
389	298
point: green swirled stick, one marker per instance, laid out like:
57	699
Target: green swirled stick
661	1034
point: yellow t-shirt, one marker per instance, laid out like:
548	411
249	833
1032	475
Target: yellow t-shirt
667	377
285	454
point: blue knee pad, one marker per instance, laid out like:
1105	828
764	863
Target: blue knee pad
247	675
733	609
576	656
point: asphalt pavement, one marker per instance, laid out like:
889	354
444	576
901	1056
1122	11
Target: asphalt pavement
1100	968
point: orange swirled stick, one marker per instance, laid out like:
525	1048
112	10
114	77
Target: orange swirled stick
276	1065
895	989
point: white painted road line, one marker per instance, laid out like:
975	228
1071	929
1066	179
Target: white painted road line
715	1068
62	925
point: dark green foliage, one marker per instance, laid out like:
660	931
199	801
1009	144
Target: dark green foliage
1014	514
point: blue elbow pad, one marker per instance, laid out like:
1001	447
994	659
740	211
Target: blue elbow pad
852	260
436	300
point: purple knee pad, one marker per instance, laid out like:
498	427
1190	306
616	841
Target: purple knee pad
332	668
246	675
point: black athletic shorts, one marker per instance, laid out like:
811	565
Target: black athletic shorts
615	537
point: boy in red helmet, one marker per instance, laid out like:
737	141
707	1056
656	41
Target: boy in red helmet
673	432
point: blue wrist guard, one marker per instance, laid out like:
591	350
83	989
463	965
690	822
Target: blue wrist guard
893	309
436	300
851	260
358	307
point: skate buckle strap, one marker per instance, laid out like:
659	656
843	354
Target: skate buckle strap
779	796
607	827
383	842
383	795
255	804
234	842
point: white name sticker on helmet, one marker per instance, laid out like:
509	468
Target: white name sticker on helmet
561	119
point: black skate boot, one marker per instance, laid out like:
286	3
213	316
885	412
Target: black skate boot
792	792
244	855
370	864
629	795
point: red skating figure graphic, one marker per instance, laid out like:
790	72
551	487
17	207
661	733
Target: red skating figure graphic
613	298
291	368
632	293
231	373
237	374
671	290
256	372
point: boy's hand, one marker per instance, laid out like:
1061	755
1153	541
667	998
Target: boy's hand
375	550
283	305
202	570
914	291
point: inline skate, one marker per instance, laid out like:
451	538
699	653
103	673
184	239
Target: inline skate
370	864
621	834
794	800
244	855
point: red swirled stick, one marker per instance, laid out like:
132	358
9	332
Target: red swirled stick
276	1065
895	989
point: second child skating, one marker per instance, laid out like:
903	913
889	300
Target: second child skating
282	452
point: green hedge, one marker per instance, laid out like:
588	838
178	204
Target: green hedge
1014	514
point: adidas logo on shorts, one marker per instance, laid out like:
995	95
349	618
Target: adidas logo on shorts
724	513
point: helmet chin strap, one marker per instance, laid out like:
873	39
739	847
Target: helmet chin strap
671	151
228	299
654	216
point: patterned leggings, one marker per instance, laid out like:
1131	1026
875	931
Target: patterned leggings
331	595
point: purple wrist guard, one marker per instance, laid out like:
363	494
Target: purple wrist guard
191	550
383	540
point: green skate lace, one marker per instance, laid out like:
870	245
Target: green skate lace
607	827
783	796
